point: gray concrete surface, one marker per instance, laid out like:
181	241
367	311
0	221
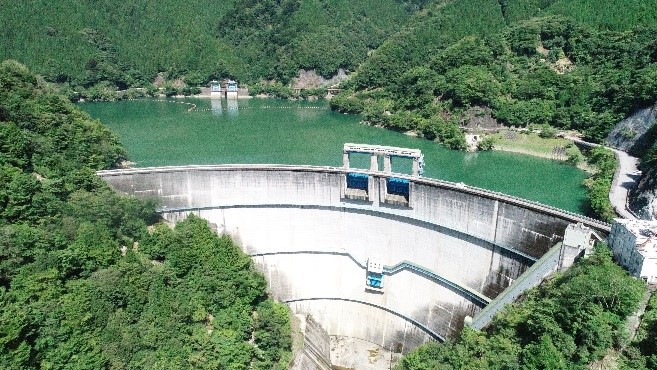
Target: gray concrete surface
353	353
626	178
315	353
298	226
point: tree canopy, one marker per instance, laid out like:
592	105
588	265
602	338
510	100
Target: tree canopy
565	323
566	71
85	285
85	43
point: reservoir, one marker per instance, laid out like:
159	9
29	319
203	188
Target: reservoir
269	131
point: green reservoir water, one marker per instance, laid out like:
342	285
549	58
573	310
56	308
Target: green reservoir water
158	133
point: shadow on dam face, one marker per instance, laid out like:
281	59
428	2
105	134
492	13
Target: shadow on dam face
452	248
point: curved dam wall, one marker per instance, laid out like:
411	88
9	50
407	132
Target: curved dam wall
446	253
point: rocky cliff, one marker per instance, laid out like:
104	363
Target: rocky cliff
643	199
636	135
629	135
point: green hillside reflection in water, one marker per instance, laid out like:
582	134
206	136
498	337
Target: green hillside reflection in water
158	133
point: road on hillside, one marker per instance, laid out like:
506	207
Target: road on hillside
626	178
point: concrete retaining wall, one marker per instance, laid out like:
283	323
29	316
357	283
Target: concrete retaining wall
312	243
315	352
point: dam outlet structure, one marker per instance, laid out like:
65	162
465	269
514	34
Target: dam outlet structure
388	258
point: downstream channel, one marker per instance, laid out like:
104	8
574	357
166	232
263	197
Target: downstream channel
162	133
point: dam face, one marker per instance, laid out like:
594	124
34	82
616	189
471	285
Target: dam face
446	252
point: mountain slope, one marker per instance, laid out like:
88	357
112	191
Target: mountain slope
84	284
585	71
84	42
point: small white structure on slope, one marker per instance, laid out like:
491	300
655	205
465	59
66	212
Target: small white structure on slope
578	242
634	243
231	89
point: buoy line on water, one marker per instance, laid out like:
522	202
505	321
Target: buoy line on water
193	107
265	107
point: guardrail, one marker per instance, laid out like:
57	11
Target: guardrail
407	265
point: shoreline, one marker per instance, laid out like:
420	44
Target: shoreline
582	166
525	151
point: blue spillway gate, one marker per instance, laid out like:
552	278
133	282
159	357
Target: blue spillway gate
357	181
374	280
398	186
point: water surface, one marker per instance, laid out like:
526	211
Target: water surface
159	133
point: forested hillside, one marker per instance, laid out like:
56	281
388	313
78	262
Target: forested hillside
419	64
85	285
566	323
128	43
569	64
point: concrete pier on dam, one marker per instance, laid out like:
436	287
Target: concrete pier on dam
446	250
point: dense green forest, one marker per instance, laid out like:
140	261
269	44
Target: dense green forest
572	65
418	64
642	354
567	322
598	184
84	284
82	43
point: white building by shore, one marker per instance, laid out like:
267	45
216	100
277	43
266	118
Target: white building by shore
634	244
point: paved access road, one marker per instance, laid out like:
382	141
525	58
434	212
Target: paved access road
626	178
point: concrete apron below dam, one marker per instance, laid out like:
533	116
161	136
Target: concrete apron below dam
447	252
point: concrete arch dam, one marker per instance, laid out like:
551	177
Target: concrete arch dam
447	249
